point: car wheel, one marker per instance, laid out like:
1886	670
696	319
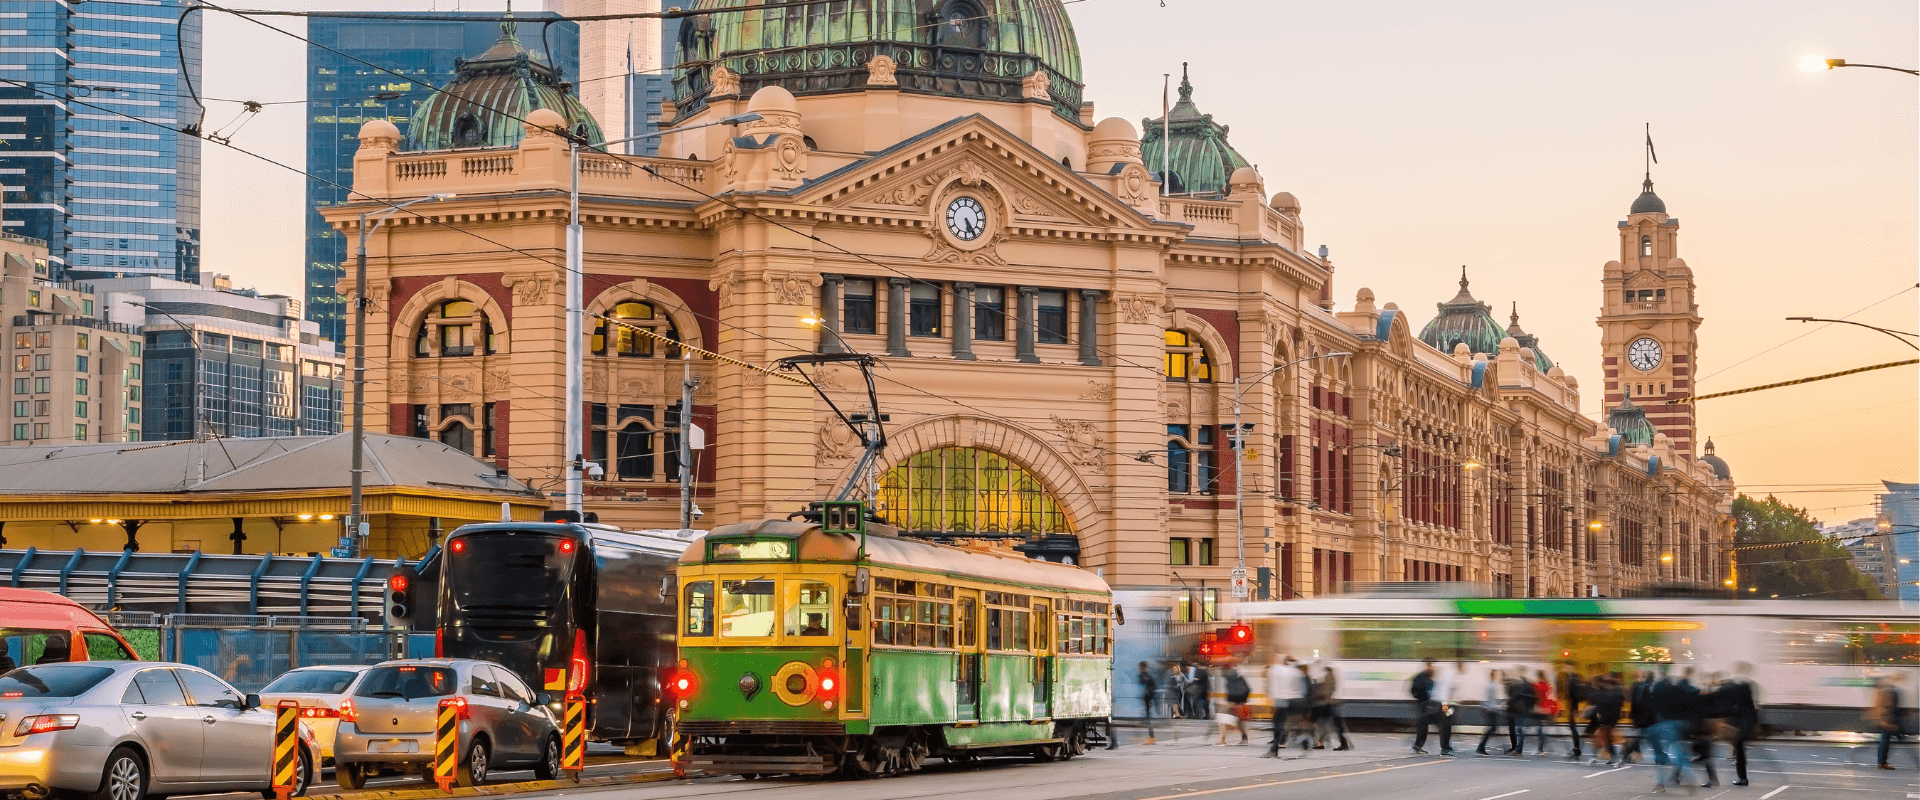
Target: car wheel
302	779
549	766
473	769
124	778
349	776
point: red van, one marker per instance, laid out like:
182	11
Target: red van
45	628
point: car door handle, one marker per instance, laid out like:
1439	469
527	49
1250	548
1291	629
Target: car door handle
207	719
138	715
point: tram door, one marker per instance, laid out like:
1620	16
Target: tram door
1042	660
966	672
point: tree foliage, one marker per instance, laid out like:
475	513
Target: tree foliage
1820	569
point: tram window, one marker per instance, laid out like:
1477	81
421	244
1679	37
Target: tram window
903	629
1102	644
1040	626
943	636
700	608
883	621
923	624
903	587
967	609
746	608
1080	636
813	613
993	628
883	585
1403	639
1018	639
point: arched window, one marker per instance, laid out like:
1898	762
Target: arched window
635	442
467	131
454	328
458	436
1192	462
962	490
626	337
1187	359
1646	245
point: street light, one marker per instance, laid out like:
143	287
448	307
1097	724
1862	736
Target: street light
816	322
1813	63
576	236
1888	331
356	520
1239	481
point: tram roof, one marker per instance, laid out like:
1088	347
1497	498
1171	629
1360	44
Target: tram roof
893	551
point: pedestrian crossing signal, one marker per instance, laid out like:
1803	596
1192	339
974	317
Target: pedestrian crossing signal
844	516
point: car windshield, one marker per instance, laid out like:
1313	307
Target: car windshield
407	682
311	681
62	681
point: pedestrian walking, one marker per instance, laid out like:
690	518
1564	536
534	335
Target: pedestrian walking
1673	701
1283	688
1233	716
1604	699
1640	713
1149	691
1700	730
1521	700
1199	692
1571	687
1737	701
1173	690
1546	706
1493	707
1885	714
1429	691
1326	709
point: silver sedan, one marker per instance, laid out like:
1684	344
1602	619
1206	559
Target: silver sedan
122	730
388	722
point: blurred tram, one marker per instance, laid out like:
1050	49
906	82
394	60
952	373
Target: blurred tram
1814	663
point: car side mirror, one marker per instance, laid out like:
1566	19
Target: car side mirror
666	587
252	702
543	699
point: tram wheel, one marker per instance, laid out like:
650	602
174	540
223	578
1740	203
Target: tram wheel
1049	752
1076	740
914	755
865	760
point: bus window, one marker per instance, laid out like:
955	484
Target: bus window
700	608
746	608
812	614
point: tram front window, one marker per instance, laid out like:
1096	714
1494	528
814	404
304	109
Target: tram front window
812	612
747	608
700	608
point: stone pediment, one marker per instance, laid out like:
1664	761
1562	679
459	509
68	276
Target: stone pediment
1646	279
915	177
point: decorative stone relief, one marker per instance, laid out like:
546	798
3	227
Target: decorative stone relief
726	285
1085	443
880	70
1176	408
496	381
792	288
1134	184
835	442
1097	390
1114	150
1026	204
725	82
1034	87
417	383
1140	309
753	377
529	288
791	159
828	378
639	386
944	253
458	387
907	194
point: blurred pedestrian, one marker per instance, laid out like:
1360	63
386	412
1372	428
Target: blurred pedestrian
1173	690
1326	709
1640	713
1283	688
1737	701
1885	714
1493	707
1521	701
1604	699
1700	728
1546	706
1570	690
1429	691
1149	689
1199	692
1234	714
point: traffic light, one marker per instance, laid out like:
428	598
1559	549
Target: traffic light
399	597
1240	635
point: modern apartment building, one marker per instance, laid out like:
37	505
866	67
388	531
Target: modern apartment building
345	91
230	363
71	373
91	107
1899	519
1872	554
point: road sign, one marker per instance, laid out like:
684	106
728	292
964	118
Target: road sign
1239	584
342	552
286	743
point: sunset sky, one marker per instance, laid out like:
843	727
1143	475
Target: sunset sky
1506	136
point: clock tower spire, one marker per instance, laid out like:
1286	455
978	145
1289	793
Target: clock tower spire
1649	322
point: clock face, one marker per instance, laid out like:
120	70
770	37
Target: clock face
966	219
1644	354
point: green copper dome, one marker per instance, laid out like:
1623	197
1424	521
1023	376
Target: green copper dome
1630	421
1464	320
1540	360
490	95
979	49
1200	159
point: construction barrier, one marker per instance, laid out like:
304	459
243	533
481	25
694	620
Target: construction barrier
573	737
286	748
446	744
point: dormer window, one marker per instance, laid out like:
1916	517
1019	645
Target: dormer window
1646	246
467	132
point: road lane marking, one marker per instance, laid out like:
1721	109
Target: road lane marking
1295	780
1508	794
1606	771
1774	792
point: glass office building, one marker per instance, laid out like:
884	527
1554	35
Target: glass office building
343	93
92	96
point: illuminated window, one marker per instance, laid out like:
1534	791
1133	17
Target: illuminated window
455	328
1186	359
964	490
631	322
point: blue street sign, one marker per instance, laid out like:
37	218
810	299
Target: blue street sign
343	552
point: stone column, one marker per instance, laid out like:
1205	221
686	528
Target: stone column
1024	326
963	322
1090	327
830	313
897	318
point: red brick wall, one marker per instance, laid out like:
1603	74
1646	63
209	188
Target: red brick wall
1228	324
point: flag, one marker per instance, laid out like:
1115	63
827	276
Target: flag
1650	153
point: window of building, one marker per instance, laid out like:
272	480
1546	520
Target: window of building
623	335
214	342
1179	552
1186	359
80	364
1203	552
278	352
42	408
1196	605
454	329
43	339
1179	460
86	307
857	306
80	386
33	298
923	310
22	408
1646	245
79	433
458	436
22	363
80	409
964	489
23	339
1052	322
133	372
246	347
22	386
42	385
990	313
636	442
80	339
20	431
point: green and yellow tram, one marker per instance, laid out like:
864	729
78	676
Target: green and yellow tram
805	651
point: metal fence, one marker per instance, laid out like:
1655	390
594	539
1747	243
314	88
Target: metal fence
250	651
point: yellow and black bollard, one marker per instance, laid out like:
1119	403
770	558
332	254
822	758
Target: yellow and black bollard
573	736
286	748
446	744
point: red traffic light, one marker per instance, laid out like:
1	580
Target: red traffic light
398	583
1240	634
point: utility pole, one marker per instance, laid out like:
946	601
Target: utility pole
1239	486
573	441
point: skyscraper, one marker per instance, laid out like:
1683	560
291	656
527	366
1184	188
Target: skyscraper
343	92
610	50
91	102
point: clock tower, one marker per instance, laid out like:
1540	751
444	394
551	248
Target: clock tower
1649	323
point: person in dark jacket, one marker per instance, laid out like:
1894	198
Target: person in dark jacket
1148	689
1640	713
1522	701
1699	713
1603	713
1736	701
1571	689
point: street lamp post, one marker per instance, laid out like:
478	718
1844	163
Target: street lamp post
1888	331
356	522
1239	483
1813	63
575	425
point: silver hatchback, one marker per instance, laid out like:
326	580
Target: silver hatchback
387	722
124	729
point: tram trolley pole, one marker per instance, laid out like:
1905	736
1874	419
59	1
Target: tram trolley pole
573	737
446	744
286	748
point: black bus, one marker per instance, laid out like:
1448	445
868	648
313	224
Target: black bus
573	609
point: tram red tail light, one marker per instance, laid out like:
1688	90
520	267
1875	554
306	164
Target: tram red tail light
682	683
577	666
566	545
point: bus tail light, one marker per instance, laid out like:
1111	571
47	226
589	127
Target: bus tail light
577	668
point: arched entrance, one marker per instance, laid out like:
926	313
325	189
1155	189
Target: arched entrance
968	492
